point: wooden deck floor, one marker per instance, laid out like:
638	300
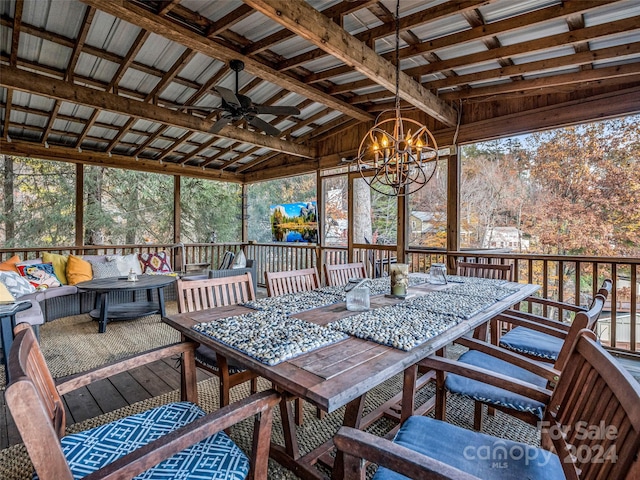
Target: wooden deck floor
107	395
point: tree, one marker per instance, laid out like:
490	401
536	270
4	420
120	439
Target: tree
39	201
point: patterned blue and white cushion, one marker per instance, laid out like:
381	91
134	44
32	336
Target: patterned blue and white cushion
17	285
214	458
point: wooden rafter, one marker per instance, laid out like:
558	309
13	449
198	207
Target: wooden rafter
369	36
13	58
66	154
480	33
124	65
147	20
73	60
33	83
630	70
335	13
166	79
310	24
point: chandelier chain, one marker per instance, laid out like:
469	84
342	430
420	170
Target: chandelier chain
397	156
398	55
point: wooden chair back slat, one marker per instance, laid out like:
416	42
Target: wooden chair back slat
340	274
195	295
36	406
595	405
582	320
485	270
292	281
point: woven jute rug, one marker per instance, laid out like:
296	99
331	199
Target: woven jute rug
90	349
15	464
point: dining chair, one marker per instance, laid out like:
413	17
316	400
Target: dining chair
485	270
292	281
174	440
531	342
339	274
196	295
466	375
591	420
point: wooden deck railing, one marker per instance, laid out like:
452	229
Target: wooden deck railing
572	279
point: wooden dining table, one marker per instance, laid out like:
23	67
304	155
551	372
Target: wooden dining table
339	374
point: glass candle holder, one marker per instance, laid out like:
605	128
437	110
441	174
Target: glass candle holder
399	279
438	274
358	299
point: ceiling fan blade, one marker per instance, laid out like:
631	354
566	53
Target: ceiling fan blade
277	110
228	96
264	126
220	124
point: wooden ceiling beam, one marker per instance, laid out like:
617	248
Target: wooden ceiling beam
369	36
229	20
166	79
335	12
310	24
71	66
86	157
149	21
599	107
49	87
13	59
484	32
594	75
532	46
115	80
529	68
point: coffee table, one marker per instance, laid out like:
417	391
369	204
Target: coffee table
128	310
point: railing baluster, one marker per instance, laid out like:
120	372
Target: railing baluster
633	310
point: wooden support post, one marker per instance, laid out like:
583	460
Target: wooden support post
79	204
176	210
245	206
402	230
453	208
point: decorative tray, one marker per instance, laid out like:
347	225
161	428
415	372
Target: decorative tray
269	337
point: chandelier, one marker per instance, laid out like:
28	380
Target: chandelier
397	156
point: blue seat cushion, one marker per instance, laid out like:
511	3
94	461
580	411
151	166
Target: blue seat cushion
475	453
483	392
216	457
532	342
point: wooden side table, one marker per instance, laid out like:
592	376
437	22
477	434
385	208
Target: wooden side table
7	323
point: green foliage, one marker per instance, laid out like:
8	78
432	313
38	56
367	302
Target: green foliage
41	211
207	207
127	207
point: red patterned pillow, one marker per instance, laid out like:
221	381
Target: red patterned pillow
155	262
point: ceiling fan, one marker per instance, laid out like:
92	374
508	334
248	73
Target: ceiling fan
236	107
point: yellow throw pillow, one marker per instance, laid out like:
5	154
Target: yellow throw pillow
10	265
59	263
78	270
